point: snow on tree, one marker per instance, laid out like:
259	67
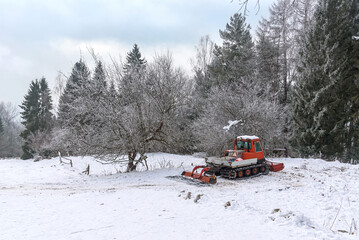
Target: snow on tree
352	137
10	140
204	57
278	31
234	61
237	94
70	112
80	75
254	115
304	11
268	66
134	60
277	48
127	120
325	78
1	126
99	78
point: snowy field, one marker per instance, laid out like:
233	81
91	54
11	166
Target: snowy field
309	199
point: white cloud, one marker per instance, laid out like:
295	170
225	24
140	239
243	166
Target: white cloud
41	37
107	49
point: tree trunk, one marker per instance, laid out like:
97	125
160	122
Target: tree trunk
131	166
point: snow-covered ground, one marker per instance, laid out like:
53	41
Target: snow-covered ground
309	199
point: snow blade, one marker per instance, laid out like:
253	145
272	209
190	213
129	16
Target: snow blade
275	166
203	176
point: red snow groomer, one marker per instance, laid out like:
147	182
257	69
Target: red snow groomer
244	161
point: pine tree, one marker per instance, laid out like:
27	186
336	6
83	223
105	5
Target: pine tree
36	115
279	31
267	65
112	92
234	62
321	97
46	120
134	70
93	91
31	108
74	88
134	60
352	137
99	77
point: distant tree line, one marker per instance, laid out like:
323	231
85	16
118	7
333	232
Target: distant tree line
10	128
296	85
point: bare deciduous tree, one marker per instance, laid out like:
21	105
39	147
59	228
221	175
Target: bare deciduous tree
140	114
10	141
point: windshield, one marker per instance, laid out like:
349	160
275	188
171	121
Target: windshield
243	145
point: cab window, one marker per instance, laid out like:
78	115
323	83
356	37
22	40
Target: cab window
243	145
258	147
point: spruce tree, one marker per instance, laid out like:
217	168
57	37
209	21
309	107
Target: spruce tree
99	77
47	119
134	60
93	91
234	62
31	108
352	137
111	91
36	115
74	89
134	70
319	109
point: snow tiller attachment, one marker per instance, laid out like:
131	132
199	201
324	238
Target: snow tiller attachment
246	160
203	175
275	166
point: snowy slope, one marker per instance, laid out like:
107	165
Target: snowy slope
309	199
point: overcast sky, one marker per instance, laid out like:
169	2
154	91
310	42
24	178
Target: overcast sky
42	37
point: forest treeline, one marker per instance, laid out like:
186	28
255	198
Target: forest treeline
295	84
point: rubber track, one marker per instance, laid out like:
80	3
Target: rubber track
224	171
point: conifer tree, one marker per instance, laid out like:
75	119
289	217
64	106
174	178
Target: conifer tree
234	61
36	115
267	66
46	121
352	137
134	60
112	92
321	99
236	94
74	89
93	90
99	77
31	108
134	70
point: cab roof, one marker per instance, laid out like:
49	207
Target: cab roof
247	137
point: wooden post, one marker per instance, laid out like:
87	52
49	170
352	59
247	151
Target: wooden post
60	157
87	170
